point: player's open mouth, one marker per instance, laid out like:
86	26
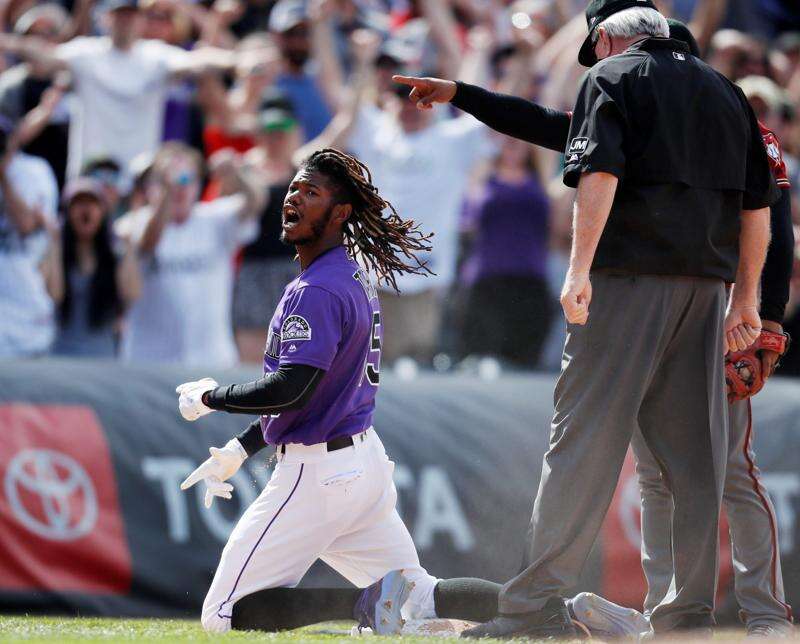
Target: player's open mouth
290	216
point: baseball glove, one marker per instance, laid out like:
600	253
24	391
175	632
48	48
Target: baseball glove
743	370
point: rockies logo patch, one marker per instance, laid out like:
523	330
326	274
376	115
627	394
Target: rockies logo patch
295	328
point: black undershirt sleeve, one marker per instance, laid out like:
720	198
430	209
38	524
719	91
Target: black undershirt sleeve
290	387
777	271
252	438
514	116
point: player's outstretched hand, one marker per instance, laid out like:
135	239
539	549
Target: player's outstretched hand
190	398
427	91
223	463
742	327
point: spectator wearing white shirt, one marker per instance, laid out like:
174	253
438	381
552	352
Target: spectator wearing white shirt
30	264
120	83
187	250
421	161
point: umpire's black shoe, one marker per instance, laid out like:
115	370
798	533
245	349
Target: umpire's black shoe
551	622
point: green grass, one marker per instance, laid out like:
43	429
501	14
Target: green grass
82	629
67	629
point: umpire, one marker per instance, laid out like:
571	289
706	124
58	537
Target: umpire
672	203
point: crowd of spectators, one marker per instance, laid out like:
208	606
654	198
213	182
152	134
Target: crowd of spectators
146	146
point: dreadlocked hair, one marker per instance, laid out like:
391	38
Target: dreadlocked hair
387	244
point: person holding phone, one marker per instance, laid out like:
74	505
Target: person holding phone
186	249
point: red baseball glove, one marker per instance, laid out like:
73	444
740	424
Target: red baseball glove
743	372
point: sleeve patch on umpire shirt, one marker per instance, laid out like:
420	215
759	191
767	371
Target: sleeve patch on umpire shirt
295	328
576	148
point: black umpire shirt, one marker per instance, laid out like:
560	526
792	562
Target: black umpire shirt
687	151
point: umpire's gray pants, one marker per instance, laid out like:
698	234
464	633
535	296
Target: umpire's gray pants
758	581
649	357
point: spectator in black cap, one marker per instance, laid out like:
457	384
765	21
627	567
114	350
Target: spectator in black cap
101	277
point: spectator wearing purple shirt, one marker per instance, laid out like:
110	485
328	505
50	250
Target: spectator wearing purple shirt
506	303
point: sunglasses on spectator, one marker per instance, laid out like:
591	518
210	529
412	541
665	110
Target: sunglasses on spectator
106	176
184	178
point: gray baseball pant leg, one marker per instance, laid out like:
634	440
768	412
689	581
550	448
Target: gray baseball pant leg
644	352
656	524
758	581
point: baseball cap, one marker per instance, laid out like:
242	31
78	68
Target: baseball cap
276	119
397	52
83	186
763	88
679	31
51	12
287	14
596	12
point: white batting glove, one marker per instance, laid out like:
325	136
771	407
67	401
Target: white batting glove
223	463
190	398
215	487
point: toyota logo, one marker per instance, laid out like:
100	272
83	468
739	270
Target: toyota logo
51	494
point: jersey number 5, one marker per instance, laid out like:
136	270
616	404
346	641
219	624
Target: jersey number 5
372	367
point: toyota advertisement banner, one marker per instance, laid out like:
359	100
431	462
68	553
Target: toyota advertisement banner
92	519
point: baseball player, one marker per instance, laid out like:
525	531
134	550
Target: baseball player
758	585
656	237
331	495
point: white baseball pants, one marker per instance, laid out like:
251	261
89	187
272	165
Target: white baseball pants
336	506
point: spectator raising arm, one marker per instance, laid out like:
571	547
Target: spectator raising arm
52	268
33	49
226	165
25	218
365	47
34	122
444	33
164	191
331	76
129	276
204	59
706	18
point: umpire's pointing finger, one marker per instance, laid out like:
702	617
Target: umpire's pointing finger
411	81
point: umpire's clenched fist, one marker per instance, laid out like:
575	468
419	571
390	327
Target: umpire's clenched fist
575	297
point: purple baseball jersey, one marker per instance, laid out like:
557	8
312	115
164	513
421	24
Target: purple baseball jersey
328	318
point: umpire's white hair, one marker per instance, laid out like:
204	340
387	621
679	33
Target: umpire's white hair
636	21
